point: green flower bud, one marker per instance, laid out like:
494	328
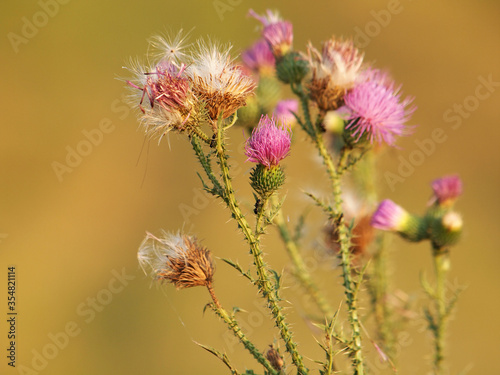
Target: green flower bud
265	181
292	68
445	229
414	229
391	217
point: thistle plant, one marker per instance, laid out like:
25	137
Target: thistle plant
349	111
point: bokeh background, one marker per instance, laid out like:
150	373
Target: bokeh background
69	235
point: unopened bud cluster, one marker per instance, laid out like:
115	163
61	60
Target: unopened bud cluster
440	224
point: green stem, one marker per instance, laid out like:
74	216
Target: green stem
233	325
304	101
300	270
264	282
196	130
207	167
343	232
379	286
441	265
260	222
379	278
345	256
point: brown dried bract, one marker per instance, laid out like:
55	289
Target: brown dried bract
274	358
190	268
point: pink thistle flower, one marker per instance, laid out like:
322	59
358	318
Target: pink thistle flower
447	189
389	216
277	33
269	143
259	58
376	111
285	109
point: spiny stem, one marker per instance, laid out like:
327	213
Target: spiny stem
196	130
378	286
345	257
441	265
304	101
328	347
233	325
259	225
205	163
214	297
300	270
264	283
379	277
343	233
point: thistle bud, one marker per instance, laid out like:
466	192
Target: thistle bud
446	230
277	32
391	217
333	123
265	181
446	190
291	68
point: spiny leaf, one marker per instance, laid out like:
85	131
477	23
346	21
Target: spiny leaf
237	267
300	226
324	206
426	286
222	356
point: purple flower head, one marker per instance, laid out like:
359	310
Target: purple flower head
277	33
285	109
447	189
374	109
259	58
269	143
389	216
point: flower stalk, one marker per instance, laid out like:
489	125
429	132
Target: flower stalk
236	329
439	325
350	286
264	283
300	270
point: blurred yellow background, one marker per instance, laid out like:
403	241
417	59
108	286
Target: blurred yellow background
73	234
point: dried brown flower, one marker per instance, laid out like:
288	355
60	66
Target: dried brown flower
178	259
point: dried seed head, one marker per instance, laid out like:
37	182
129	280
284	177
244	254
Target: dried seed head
216	81
170	48
164	97
176	258
335	70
